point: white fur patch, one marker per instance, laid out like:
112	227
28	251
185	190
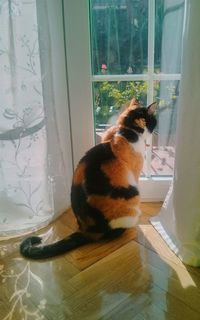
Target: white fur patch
125	222
139	146
131	179
146	134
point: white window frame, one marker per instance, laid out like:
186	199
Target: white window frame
80	79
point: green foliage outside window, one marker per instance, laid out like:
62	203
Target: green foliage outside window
109	97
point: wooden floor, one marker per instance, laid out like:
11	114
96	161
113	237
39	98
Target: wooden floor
135	277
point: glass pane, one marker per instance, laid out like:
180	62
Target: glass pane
110	97
168	35
163	153
119	36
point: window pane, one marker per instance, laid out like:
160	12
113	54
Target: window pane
168	35
119	36
163	153
110	97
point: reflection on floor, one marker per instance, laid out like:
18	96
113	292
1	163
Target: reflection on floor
135	277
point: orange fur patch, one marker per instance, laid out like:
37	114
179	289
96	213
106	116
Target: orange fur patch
79	174
114	208
125	154
134	104
141	123
108	134
126	112
117	171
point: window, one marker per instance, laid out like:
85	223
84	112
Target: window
140	55
136	50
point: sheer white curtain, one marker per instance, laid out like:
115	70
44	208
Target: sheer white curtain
170	63
179	220
35	169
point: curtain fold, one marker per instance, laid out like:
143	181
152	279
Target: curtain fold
179	219
34	178
170	63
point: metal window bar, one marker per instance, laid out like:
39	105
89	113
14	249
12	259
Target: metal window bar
136	77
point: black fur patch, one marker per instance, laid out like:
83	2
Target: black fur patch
138	114
151	123
99	153
114	233
78	200
129	120
126	193
96	181
29	248
82	209
130	135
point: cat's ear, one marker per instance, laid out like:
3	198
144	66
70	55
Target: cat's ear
134	104
152	108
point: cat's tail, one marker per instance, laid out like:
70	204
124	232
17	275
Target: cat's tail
32	248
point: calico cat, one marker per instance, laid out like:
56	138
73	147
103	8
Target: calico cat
109	133
104	194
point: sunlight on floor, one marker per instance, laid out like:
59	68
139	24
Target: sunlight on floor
171	259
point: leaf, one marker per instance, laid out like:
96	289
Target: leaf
9	114
16	293
23	205
37	279
39	206
18	124
9	117
36	189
